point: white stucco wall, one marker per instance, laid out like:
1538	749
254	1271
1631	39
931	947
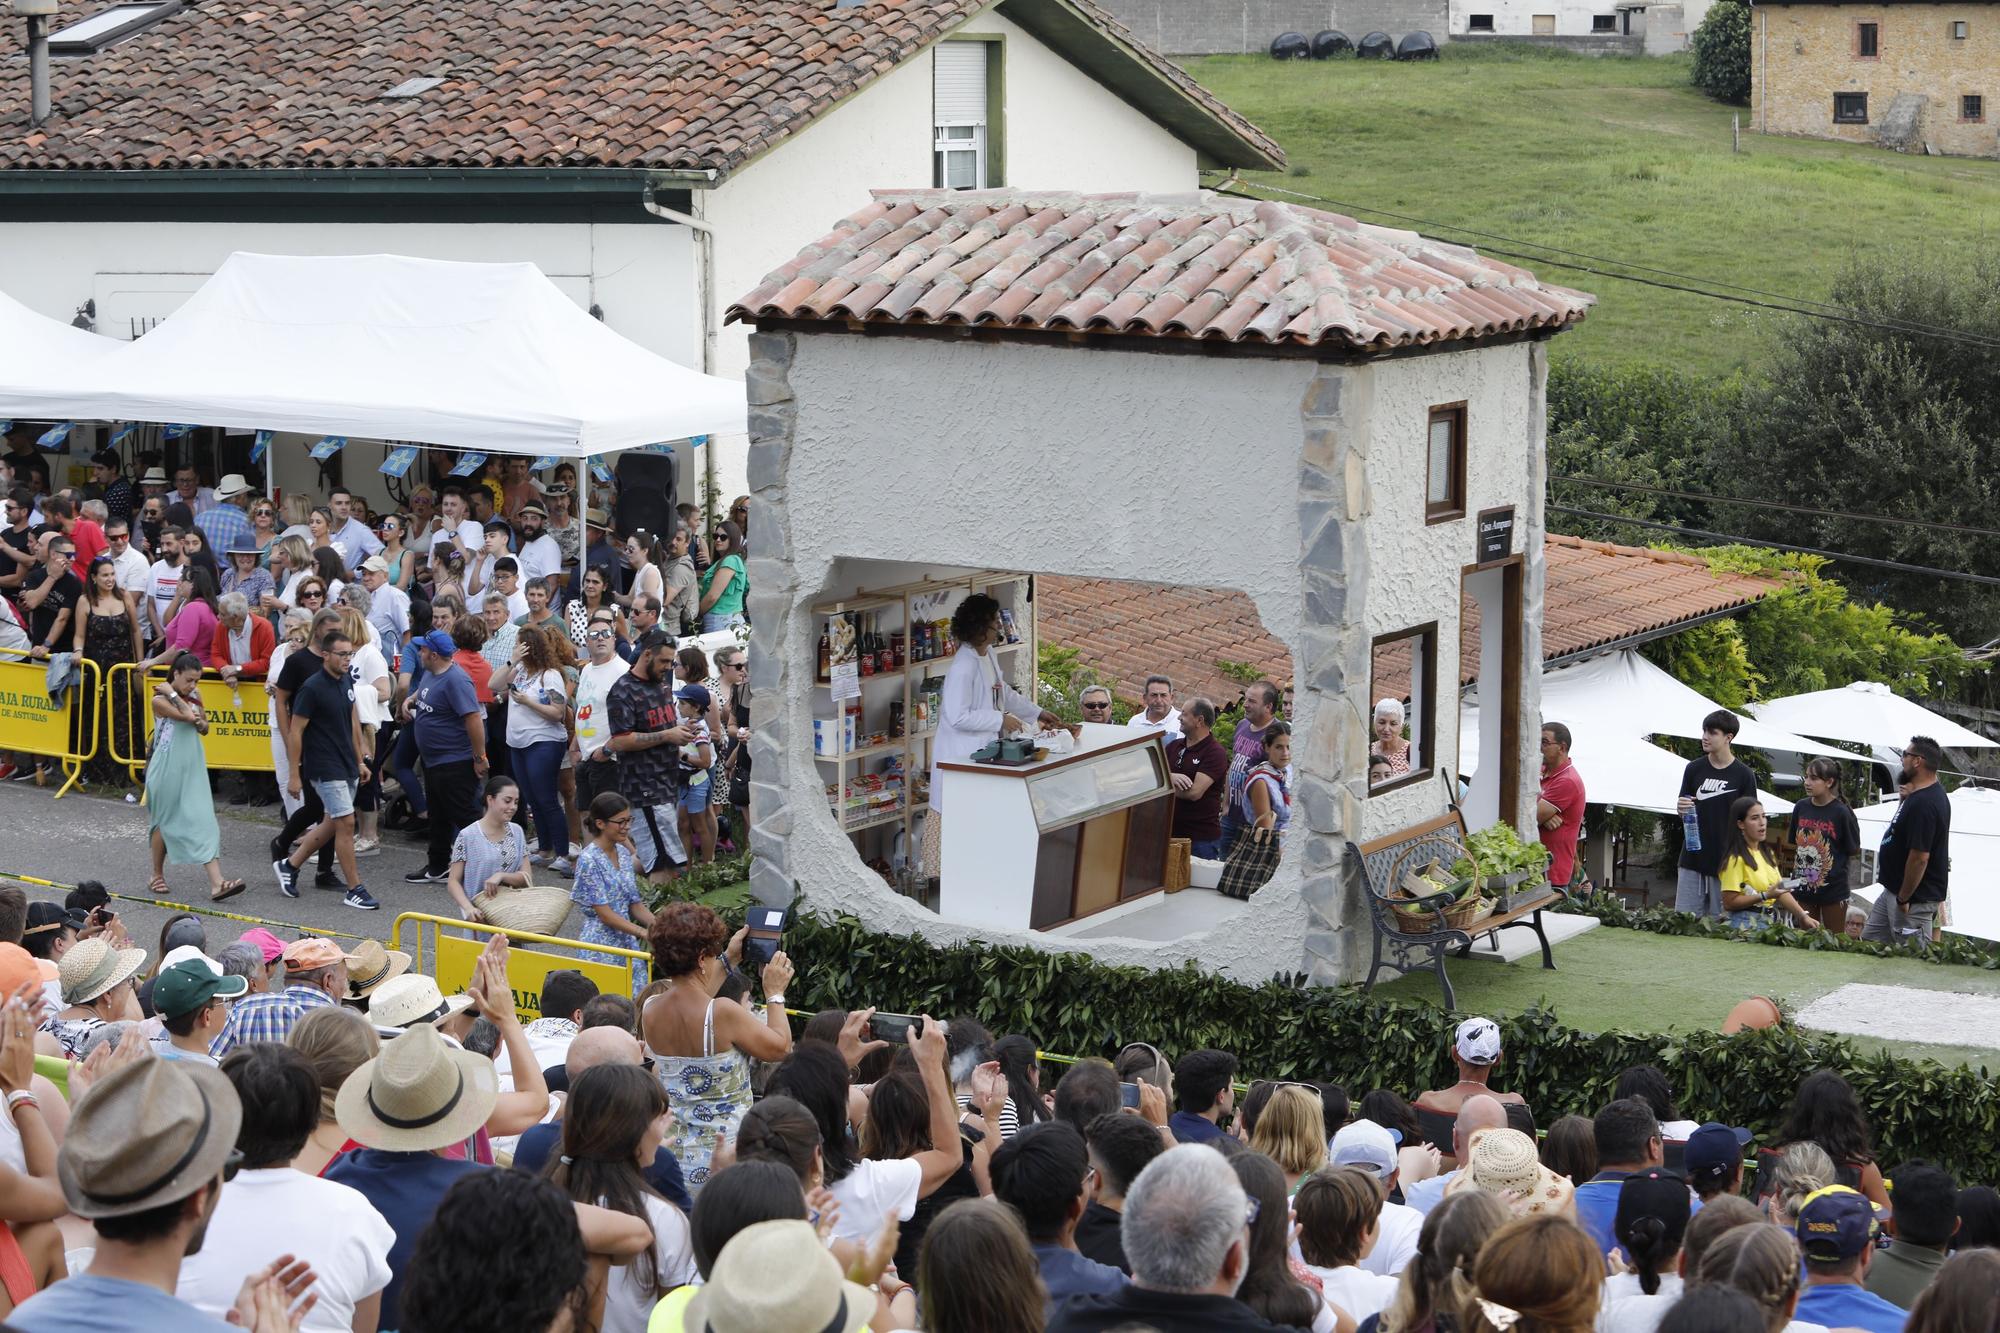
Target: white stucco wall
1414	567
1063	131
642	275
941	453
1515	18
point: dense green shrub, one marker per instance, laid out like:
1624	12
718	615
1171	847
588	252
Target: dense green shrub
1721	47
1283	1029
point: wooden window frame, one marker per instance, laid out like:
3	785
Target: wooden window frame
1978	119
1455	508
1423	667
1856	51
1839	119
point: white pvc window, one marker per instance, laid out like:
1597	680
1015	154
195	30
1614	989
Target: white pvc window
958	115
102	29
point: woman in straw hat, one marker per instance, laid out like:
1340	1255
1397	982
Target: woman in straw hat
99	986
777	1277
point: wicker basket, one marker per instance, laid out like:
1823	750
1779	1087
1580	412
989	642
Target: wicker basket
1180	864
539	911
1414	919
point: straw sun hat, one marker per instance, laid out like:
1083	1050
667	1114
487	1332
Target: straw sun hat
776	1277
419	1094
370	967
90	968
413	1000
147	1134
1504	1162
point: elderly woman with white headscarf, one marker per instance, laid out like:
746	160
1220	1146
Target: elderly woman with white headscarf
1389	741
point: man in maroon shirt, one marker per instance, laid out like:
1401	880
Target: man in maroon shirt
1198	768
1559	811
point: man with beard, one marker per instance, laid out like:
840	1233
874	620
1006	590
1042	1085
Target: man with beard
540	556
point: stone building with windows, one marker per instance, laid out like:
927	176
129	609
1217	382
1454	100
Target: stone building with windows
1913	77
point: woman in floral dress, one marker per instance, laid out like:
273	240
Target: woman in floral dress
607	886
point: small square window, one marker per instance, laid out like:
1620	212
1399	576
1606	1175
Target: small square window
1867	41
1604	23
1444	488
1972	107
1479	23
1850	108
1958	30
1402	671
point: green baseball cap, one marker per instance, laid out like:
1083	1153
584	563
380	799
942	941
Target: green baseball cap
186	987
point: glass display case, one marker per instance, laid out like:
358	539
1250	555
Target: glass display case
1093	784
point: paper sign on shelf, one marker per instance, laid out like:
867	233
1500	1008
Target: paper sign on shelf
846	680
468	463
397	464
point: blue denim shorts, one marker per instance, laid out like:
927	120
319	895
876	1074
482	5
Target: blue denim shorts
695	797
337	795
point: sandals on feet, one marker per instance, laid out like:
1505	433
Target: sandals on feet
230	888
159	884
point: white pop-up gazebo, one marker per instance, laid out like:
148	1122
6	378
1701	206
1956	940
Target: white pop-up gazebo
1972	906
487	357
45	364
1869	712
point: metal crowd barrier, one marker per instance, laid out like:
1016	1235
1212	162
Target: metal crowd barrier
451	958
33	724
239	719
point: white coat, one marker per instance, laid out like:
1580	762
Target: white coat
971	711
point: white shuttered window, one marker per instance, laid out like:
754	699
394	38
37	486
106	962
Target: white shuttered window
958	115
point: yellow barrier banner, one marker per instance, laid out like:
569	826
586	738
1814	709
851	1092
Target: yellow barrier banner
239	718
527	970
28	720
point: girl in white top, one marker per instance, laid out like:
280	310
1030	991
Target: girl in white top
613	1123
291	637
644	553
373	684
1339	1214
978	706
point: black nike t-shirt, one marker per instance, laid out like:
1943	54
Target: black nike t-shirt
1714	790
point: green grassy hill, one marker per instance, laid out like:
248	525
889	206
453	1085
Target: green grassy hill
1614	157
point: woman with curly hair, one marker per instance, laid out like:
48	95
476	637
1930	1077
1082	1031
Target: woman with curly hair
1827	1112
702	1046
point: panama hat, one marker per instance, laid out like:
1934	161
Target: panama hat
91	967
1504	1162
371	966
231	486
412	1000
154	476
419	1094
776	1277
147	1134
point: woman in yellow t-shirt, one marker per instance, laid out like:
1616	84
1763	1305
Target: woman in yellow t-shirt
1750	878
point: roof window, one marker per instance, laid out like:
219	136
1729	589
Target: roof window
413	87
109	27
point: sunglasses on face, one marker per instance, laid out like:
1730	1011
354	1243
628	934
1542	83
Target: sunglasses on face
1096	705
311	596
597	634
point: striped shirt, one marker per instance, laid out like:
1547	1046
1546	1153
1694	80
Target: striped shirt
269	1017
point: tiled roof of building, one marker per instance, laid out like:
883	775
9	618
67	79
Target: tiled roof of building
1198	266
1597	594
658	84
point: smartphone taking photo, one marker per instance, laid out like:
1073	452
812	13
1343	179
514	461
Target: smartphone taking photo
767	929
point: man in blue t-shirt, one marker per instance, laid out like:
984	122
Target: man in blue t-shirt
1202	1087
1628	1142
1836	1232
450	730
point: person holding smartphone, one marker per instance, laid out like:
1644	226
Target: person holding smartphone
537	736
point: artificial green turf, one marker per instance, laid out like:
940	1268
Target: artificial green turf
1633	981
1609	156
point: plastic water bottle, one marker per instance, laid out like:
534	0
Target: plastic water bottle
1690	832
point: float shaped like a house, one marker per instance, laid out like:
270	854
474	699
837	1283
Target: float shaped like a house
1343	421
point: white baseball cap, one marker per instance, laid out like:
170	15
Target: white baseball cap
1478	1041
1365	1144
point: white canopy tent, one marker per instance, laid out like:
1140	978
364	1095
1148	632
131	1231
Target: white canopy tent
1624	691
1973	906
45	364
487	357
1868	712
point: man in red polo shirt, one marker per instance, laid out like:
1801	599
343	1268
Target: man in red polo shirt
1559	812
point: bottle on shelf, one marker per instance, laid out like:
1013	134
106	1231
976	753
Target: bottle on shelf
825	657
867	653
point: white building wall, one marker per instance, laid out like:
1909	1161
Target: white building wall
1516	18
1063	131
1414	567
642	275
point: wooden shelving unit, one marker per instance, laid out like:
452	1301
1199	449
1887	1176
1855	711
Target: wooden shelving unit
876	760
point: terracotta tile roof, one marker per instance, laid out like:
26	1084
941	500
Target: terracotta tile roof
1198	266
661	84
1597	594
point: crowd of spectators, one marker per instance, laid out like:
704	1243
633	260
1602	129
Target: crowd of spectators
292	1134
489	628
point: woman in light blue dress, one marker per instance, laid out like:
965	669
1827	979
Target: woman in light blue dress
180	810
702	1046
607	886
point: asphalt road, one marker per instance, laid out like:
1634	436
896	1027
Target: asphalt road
90	837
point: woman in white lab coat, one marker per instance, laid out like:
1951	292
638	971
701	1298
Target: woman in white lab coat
978	706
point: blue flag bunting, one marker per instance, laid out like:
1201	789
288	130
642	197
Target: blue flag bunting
328	447
397	464
601	472
174	432
544	463
260	446
123	433
54	436
468	464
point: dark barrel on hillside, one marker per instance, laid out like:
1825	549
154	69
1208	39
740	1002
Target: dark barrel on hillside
1290	46
1417	46
1330	43
1376	46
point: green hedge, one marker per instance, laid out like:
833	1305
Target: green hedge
1074	1005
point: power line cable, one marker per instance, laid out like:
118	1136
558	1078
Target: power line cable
1788	305
1896	565
1848	515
